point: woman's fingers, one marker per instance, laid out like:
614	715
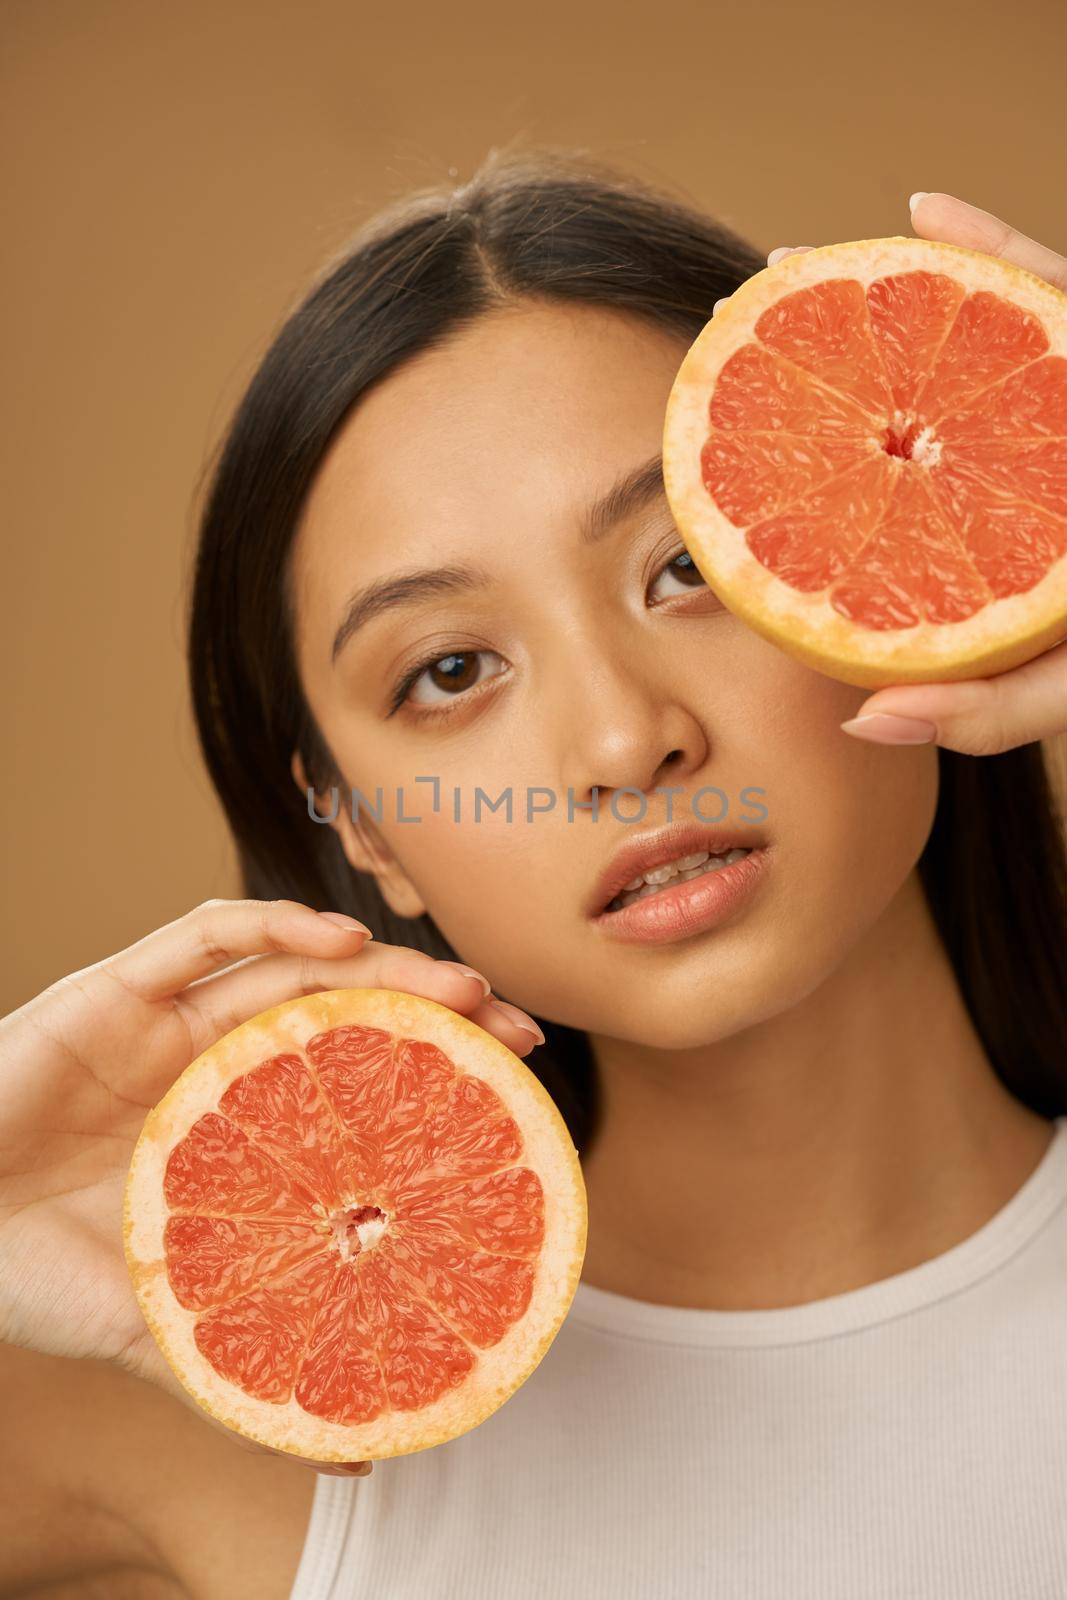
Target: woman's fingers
220	932
980	716
490	1012
775	256
784	250
335	1469
227	960
214	1006
946	218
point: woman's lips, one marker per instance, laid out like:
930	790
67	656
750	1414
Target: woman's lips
688	905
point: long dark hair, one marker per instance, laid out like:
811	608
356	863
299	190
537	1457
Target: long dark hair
557	224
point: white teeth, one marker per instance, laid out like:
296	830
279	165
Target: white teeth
672	869
691	866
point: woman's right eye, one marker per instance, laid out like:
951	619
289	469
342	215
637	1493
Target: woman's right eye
449	675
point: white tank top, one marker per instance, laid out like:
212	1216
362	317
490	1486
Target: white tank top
904	1441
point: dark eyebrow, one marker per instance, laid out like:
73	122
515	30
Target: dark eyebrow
634	490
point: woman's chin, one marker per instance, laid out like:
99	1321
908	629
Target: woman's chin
698	1017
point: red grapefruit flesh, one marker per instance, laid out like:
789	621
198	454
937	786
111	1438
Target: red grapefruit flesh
354	1225
865	452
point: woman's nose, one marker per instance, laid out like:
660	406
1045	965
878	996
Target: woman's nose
624	729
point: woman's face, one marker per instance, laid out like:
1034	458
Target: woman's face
569	666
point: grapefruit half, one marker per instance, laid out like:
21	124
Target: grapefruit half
865	452
354	1225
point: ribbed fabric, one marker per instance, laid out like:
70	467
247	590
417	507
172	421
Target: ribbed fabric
904	1441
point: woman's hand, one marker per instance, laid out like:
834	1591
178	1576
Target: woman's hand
978	716
85	1061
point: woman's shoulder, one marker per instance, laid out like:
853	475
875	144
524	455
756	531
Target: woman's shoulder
102	1472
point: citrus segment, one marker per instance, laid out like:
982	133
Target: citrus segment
212	1259
989	338
756	475
280	1107
405	1355
1012	543
866	454
758	390
479	1293
257	1341
1030	403
813	541
826	330
912	567
374	1224
381	1092
911	314
216	1168
470	1132
1026	469
504	1212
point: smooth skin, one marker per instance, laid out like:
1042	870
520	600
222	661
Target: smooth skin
798	1089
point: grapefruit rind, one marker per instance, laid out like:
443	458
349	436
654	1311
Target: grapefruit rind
1003	634
499	1370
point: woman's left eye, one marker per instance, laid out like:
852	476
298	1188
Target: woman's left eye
684	569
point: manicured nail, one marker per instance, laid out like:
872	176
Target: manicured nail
776	255
519	1018
920	194
469	972
340	920
883	728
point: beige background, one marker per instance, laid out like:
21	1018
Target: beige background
173	175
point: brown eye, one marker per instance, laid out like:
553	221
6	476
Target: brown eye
445	678
683	569
454	672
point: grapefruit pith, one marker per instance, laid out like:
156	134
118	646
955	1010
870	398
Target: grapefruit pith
354	1225
865	451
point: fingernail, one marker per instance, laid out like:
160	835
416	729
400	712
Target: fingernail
358	1469
883	728
719	303
776	255
519	1018
920	194
340	920
469	972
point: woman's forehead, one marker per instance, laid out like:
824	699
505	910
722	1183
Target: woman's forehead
519	413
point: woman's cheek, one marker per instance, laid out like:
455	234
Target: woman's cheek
871	816
851	817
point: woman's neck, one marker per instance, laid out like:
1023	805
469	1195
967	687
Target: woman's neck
851	1137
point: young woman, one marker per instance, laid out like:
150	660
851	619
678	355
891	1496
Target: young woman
820	1345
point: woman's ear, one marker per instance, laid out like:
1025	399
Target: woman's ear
363	845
